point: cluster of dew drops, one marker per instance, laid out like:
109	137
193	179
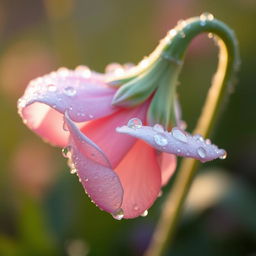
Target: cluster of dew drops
119	213
177	133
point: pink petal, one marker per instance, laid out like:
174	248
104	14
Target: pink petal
95	173
140	176
84	97
168	165
103	132
177	142
46	122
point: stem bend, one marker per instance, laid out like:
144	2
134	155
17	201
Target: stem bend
229	61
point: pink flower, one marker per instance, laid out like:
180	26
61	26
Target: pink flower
121	174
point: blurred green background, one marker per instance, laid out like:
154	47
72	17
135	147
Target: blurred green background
43	209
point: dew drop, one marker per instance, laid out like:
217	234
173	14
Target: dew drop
144	214
158	128
160	193
83	71
210	35
91	116
73	170
118	214
66	152
52	88
86	180
198	137
114	68
206	16
172	33
179	135
160	140
201	152
21	103
70	91
134	123
63	71
224	156
182	23
144	63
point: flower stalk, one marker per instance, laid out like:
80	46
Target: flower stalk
227	67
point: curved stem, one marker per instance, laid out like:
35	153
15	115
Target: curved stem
228	64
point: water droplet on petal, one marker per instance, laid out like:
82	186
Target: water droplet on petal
118	214
73	170
52	88
160	140
63	71
179	135
91	116
66	152
201	152
198	137
144	214
158	128
134	123
70	91
114	68
224	156
83	71
160	193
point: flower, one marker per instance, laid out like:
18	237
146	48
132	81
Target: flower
121	174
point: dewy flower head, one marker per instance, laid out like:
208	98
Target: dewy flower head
121	170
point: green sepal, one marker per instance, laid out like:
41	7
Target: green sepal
162	107
140	88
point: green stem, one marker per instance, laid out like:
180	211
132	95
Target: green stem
228	64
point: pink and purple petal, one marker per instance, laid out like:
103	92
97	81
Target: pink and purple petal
140	176
103	132
176	142
83	94
100	182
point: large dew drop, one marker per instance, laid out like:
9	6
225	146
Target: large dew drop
158	128
118	214
201	152
160	140
134	123
224	156
70	91
144	214
179	135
